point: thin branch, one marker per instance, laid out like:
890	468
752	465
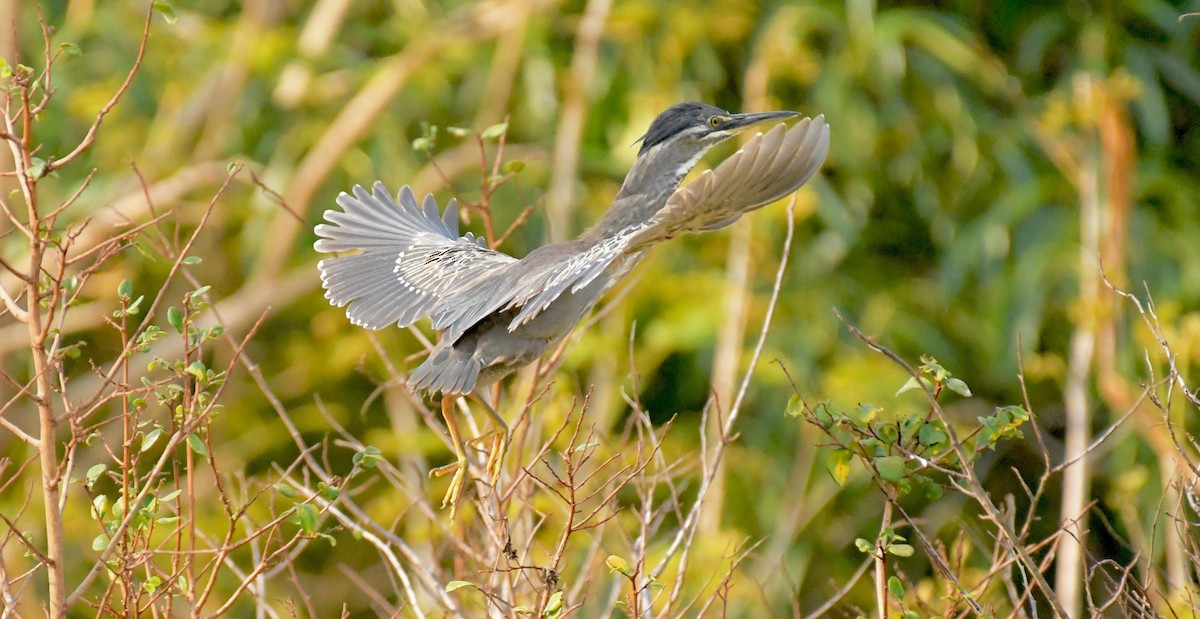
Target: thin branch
112	102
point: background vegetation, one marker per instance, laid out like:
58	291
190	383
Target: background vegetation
187	428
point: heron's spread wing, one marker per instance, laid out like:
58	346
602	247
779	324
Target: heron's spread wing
573	273
768	168
531	285
409	258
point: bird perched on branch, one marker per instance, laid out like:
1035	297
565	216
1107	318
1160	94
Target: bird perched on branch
400	260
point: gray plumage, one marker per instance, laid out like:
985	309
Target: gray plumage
497	313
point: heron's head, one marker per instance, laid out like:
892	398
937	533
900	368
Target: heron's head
687	130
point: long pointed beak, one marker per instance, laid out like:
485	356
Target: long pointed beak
738	122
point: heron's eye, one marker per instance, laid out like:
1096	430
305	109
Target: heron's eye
714	121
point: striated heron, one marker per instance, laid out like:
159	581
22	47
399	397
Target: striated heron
496	313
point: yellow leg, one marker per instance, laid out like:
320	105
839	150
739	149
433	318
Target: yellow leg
495	461
459	466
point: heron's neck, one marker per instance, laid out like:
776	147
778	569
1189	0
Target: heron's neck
652	179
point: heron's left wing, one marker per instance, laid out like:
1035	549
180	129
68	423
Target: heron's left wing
766	169
399	259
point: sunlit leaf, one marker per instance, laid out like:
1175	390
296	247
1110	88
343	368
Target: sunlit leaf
838	463
196	444
151	438
912	383
959	387
494	131
619	565
175	318
164	8
94	472
455	585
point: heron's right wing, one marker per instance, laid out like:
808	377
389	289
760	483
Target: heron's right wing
766	169
408	258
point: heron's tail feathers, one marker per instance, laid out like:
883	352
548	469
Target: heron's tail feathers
446	370
402	257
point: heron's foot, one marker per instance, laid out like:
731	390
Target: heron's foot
495	452
495	461
459	468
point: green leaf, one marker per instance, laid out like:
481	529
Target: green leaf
554	605
586	446
494	131
306	517
895	587
422	144
959	387
617	564
367	457
824	416
286	490
100	542
193	260
514	167
70	49
900	550
151	438
867	413
457	132
197	444
197	369
455	585
151	584
1018	413
864	546
170	496
930	435
795	406
913	384
891	468
125	288
94	473
164	8
933	491
838	463
100	506
37	168
175	318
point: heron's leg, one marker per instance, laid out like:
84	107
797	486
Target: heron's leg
495	459
459	466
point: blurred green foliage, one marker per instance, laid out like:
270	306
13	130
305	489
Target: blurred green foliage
941	223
